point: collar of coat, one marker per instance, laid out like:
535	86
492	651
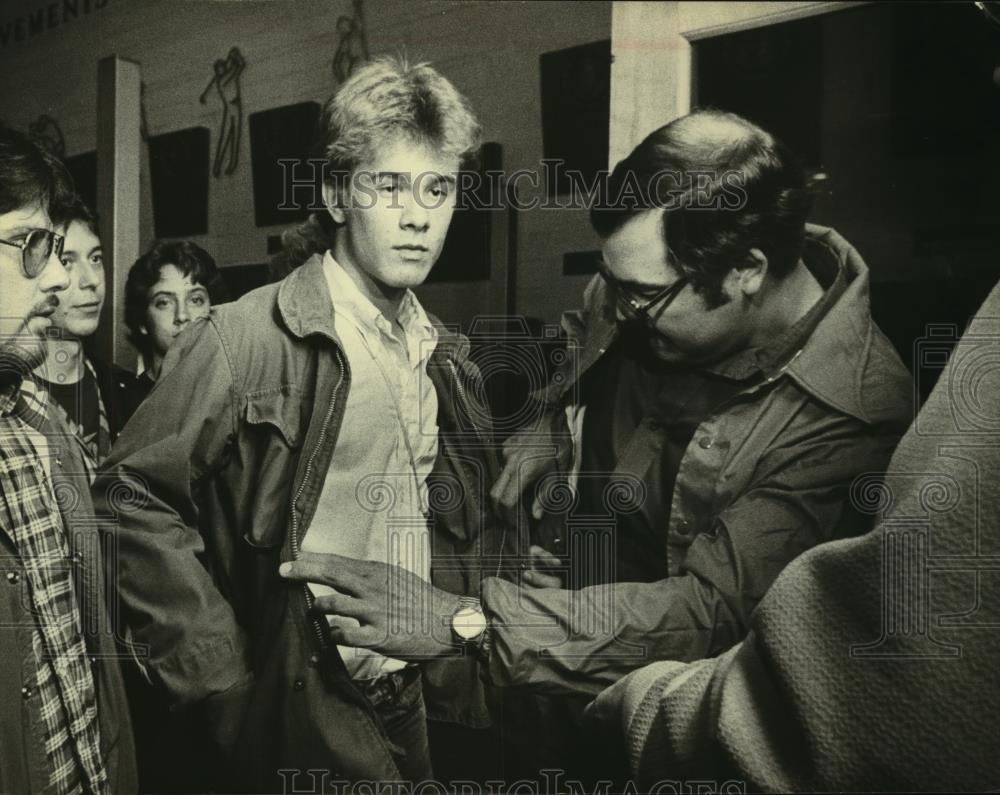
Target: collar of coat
305	306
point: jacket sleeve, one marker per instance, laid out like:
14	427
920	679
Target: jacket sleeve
867	667
145	496
587	639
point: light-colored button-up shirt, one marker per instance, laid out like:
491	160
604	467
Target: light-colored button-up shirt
374	500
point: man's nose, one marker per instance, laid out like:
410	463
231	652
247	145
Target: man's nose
53	277
88	276
181	316
414	215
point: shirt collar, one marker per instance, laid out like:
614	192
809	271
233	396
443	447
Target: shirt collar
350	301
8	398
26	400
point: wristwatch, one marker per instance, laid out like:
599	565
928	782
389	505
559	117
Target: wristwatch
468	623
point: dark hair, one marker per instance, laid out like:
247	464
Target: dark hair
726	186
75	210
190	259
382	98
30	174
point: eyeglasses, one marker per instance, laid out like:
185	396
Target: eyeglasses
639	310
36	248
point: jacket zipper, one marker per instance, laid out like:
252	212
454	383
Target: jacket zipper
465	402
294	540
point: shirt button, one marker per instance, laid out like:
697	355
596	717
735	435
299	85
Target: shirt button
27	692
13	577
299	685
705	442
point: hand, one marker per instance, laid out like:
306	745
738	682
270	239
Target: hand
400	615
526	460
542	559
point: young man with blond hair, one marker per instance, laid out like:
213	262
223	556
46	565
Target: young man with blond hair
326	413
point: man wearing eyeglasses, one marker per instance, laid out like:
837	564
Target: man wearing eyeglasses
730	385
65	720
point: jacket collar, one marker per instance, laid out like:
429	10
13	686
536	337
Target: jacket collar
833	363
306	308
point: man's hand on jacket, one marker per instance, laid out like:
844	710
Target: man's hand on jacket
394	611
537	576
527	458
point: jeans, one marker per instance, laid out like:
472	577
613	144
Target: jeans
398	700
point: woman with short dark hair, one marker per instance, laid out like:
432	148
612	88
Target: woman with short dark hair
169	286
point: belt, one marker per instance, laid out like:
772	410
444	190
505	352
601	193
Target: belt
387	687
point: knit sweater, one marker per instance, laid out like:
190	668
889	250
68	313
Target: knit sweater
872	663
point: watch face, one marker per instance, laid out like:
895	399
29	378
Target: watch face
468	623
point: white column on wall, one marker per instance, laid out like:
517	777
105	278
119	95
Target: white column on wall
652	67
648	86
119	147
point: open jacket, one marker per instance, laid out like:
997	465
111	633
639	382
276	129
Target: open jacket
765	477
227	459
23	766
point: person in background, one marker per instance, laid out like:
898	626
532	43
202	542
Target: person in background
65	726
86	389
168	287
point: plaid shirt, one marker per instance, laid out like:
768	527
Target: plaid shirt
65	691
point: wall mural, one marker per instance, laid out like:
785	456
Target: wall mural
226	82
46	131
352	44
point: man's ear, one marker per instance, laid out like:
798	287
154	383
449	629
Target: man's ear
331	199
750	274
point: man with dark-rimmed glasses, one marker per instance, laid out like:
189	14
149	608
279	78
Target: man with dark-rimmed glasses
729	385
66	726
728	371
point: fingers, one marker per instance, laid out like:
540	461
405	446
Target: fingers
523	468
537	509
344	574
346	632
538	579
499	491
341	605
542	557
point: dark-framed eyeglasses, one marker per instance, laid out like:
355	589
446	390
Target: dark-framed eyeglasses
640	310
36	248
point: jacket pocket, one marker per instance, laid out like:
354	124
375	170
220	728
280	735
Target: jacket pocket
270	451
280	407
